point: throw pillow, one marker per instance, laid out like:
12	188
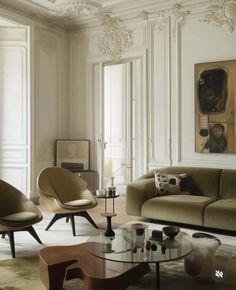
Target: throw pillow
169	183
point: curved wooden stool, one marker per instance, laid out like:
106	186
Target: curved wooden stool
68	262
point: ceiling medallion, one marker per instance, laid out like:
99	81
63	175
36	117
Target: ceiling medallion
116	39
222	12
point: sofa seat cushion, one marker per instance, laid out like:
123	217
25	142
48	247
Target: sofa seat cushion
221	214
188	209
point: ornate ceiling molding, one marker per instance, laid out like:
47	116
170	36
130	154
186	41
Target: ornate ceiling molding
76	8
116	40
161	18
222	12
180	16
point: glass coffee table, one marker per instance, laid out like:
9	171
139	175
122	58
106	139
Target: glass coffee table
130	246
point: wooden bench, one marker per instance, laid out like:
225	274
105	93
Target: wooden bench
59	263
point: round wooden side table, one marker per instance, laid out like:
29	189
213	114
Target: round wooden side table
109	214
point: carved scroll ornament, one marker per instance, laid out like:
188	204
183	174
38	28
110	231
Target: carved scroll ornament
222	12
116	39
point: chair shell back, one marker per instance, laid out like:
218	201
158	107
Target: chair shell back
61	184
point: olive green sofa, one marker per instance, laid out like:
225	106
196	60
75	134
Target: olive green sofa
210	202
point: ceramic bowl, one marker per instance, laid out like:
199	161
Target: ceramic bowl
171	231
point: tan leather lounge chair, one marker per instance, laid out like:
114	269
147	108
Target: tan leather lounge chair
65	194
17	213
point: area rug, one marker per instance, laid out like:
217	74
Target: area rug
23	274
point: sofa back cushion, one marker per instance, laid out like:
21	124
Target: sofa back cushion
228	184
200	181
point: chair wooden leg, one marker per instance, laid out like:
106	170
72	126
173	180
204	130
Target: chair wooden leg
88	217
33	233
54	219
72	220
10	235
12	243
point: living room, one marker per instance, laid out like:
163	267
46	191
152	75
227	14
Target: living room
57	67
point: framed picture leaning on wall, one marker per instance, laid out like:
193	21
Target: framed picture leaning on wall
73	154
215	93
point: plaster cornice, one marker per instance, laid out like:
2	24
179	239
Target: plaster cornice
125	9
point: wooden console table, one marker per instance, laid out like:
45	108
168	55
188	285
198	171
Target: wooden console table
59	263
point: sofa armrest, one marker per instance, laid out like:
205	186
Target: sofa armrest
137	193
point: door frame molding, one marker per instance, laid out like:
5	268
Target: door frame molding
95	92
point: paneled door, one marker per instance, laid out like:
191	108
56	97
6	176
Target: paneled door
119	110
117	124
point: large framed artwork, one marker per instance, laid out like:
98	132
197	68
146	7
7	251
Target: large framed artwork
215	101
73	154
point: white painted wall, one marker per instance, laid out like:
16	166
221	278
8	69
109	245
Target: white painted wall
168	44
51	103
33	92
64	87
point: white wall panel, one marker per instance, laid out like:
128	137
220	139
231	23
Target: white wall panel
77	105
51	97
13	155
47	96
139	37
13	95
159	121
13	34
93	46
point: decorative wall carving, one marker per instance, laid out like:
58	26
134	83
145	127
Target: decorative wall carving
162	17
179	16
116	39
222	12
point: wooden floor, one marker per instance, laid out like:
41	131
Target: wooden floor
120	210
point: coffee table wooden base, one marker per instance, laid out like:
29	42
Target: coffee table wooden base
68	262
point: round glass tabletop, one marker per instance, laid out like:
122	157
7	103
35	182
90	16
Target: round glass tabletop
131	246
